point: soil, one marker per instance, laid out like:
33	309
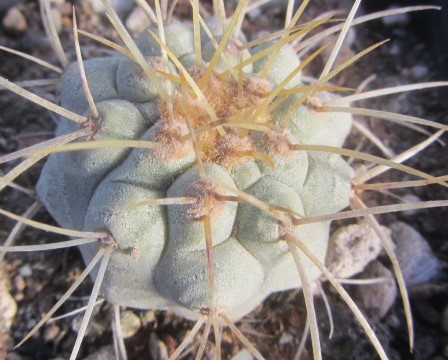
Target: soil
37	280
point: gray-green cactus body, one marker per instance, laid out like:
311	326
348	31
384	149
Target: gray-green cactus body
161	261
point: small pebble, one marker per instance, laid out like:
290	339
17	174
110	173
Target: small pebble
25	270
380	296
148	317
419	71
130	323
411	198
96	326
137	21
285	339
394	50
51	332
14	21
243	355
254	14
157	348
417	261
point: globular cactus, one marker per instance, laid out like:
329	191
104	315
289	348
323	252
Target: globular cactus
204	172
161	261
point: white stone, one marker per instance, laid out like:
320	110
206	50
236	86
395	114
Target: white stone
352	247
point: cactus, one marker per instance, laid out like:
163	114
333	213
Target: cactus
95	190
203	171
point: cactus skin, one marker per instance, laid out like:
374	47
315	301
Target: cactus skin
161	262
